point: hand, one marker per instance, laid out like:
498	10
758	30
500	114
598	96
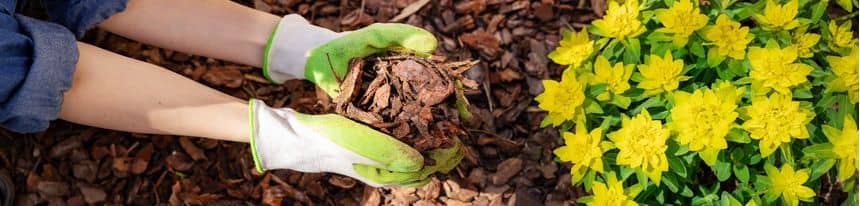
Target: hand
446	160
286	139
322	56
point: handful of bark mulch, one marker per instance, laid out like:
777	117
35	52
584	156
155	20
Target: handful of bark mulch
411	98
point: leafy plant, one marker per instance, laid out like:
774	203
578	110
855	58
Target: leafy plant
678	102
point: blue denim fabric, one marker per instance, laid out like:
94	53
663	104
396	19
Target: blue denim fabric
38	58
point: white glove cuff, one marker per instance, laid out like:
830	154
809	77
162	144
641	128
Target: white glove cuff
288	47
263	145
280	141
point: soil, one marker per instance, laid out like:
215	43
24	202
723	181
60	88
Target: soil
408	97
508	157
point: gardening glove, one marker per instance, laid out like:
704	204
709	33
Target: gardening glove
446	160
298	49
286	139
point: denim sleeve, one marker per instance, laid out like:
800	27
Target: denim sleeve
37	61
82	15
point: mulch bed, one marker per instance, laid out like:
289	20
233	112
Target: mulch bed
508	158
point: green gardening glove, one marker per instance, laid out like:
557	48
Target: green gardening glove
285	139
298	49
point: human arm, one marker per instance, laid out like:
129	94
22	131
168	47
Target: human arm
213	28
115	92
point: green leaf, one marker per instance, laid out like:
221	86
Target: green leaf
677	166
658	37
738	154
726	199
660	48
687	192
851	200
611	50
671	182
849	185
462	104
741	172
668	2
545	122
819	151
651	102
737	68
749	10
631	51
697	49
722	169
714	60
818	10
819	167
621	101
660	115
801	93
588	180
634	190
595	90
592	107
755	159
738	135
584	199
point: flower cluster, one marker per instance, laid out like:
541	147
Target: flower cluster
692	97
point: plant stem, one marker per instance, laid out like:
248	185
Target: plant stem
786	153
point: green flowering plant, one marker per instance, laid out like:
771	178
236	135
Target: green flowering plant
721	102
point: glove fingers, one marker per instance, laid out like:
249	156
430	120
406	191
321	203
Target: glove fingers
418	183
366	142
388	36
448	158
325	73
385	177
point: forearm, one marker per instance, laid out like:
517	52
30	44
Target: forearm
115	92
213	28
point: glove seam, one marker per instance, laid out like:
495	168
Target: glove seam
265	66
252	128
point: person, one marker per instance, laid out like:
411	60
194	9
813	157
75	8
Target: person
46	74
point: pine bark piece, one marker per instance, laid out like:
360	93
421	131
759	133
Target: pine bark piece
404	96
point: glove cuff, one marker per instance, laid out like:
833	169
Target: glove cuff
286	52
252	127
264	145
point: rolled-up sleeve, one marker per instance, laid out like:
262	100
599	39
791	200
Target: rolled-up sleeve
37	61
38	58
82	15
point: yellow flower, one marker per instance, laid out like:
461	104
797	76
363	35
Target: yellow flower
729	37
788	183
682	19
702	119
583	150
661	74
845	69
774	68
615	77
845	146
610	194
841	36
805	42
561	99
775	120
779	17
574	48
621	20
751	203
642	144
